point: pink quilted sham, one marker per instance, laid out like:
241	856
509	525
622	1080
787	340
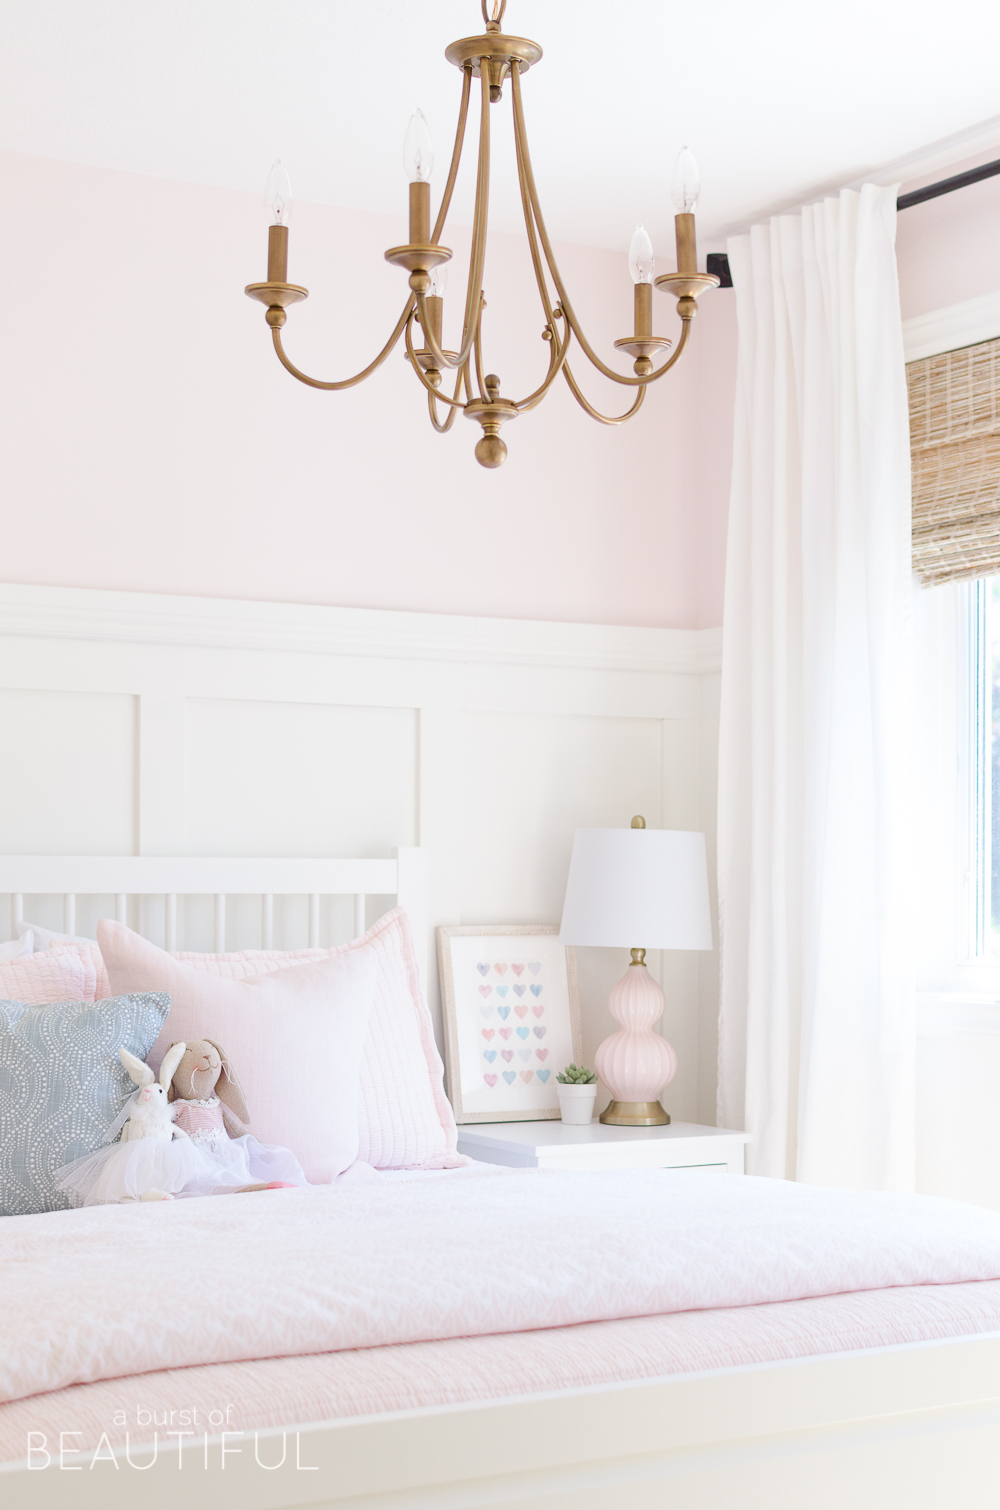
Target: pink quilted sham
60	974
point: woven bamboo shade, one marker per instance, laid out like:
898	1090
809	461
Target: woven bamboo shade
955	448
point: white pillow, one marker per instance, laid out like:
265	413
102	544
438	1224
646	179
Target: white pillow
24	944
44	938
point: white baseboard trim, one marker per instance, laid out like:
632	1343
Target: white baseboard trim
949	329
149	618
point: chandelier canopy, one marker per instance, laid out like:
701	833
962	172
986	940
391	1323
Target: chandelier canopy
494	59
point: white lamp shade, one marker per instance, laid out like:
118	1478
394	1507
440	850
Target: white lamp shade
637	888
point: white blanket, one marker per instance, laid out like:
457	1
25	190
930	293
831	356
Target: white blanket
115	1290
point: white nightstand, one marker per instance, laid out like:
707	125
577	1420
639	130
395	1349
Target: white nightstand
683	1147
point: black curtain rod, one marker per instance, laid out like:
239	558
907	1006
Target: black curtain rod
948	185
718	262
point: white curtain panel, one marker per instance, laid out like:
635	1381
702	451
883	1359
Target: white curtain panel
816	1042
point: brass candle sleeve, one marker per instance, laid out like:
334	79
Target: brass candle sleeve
496	59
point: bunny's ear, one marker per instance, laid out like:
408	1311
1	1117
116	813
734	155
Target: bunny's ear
140	1073
230	1092
171	1060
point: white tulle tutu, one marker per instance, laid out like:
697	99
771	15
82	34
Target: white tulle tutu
204	1164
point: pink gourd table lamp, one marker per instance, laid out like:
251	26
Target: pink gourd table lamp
628	886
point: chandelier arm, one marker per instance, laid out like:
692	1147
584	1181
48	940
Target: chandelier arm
359	377
478	350
603	419
442	429
421	374
456	158
556	361
593	358
478	252
529	226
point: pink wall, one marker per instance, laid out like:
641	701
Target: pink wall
150	441
948	249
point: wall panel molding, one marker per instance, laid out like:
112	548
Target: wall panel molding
486	741
221	623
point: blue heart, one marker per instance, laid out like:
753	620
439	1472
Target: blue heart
489	1055
524	1055
523	1032
536	990
509	1076
543	1075
502	990
504	1012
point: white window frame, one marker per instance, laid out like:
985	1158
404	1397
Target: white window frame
958	982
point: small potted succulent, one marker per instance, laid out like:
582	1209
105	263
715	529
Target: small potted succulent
577	1089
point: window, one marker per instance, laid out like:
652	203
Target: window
984	769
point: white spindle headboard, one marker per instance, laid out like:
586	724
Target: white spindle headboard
71	876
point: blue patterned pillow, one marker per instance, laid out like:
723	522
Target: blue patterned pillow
62	1085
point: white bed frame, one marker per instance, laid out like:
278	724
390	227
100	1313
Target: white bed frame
915	1426
72	876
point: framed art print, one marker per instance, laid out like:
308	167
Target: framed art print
511	1018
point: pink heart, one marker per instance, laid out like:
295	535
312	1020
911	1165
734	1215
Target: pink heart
517	969
526	1076
542	1053
485	990
487	1034
491	1080
500	969
535	966
521	1009
538	1009
508	1054
505	1033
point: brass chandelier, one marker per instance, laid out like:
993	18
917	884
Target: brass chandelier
493	58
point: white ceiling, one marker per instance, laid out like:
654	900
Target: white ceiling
779	99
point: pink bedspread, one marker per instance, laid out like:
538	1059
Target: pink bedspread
279	1392
116	1290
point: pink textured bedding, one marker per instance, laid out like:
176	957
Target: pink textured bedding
280	1392
118	1290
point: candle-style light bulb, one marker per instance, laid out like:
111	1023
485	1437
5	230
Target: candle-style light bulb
686	184
418	149
641	261
278	195
439	280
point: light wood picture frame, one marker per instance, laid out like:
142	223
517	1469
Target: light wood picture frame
511	1019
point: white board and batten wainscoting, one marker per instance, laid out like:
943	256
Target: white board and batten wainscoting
152	726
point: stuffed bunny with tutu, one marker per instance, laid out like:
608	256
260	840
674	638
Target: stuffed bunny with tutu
208	1104
153	1160
158	1157
151	1115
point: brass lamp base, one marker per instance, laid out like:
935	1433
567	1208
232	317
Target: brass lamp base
635	1114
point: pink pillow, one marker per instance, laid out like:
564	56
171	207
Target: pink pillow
296	1039
405	1118
57	975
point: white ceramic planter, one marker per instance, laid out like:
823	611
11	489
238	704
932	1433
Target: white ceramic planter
576	1103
